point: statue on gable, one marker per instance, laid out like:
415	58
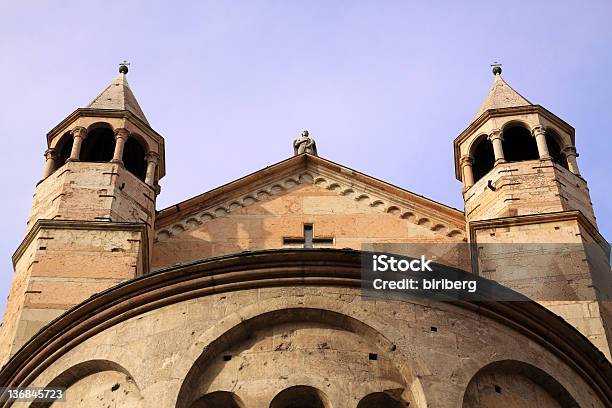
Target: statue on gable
304	144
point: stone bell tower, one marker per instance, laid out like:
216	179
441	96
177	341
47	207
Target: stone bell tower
90	226
528	212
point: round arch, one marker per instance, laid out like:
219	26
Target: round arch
63	148
481	152
134	153
514	123
99	144
80	371
300	396
515	383
380	400
555	147
243	329
518	143
219	399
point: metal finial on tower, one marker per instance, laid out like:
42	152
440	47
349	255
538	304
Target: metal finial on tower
123	67
497	70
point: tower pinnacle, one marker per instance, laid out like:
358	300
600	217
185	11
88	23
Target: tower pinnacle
501	95
119	96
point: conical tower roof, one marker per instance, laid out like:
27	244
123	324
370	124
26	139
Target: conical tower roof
118	95
501	95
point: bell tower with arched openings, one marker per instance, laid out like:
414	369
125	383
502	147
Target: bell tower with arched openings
529	215
510	136
93	212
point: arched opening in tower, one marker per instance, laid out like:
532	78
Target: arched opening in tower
483	157
63	149
98	146
134	158
519	144
554	148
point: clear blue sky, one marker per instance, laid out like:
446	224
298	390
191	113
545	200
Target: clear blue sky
383	86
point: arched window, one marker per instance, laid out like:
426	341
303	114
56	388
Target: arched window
98	146
300	396
63	149
380	400
218	399
134	158
482	156
554	148
519	144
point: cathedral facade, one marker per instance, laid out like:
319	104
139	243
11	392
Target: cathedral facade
250	295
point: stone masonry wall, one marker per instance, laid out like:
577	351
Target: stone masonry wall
264	224
59	269
424	353
529	187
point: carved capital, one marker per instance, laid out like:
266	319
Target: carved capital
51	153
122	133
569	151
152	157
79	131
466	160
495	134
538	130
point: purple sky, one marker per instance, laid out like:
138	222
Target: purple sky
383	86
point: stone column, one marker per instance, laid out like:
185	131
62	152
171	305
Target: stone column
78	135
51	157
570	155
540	136
496	139
468	175
152	160
121	136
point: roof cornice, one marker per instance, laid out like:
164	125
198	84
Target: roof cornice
304	161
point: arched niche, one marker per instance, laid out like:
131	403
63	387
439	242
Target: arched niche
518	143
99	144
298	346
515	384
62	150
381	400
218	399
483	158
134	160
95	384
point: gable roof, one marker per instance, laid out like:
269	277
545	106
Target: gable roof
501	95
119	96
307	168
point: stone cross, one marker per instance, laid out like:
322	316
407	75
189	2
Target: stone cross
308	240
